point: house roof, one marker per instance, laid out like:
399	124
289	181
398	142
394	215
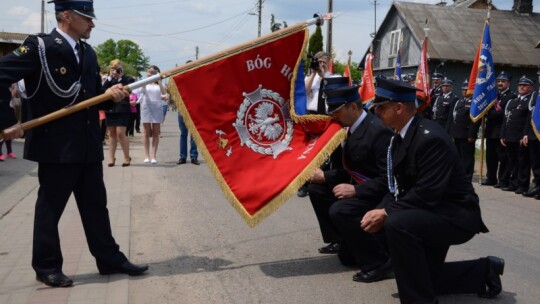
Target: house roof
454	32
17	38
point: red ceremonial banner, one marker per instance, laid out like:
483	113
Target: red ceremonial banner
367	90
422	79
238	109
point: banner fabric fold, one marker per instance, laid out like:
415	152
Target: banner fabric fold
239	108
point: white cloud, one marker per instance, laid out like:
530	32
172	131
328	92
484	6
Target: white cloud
19	11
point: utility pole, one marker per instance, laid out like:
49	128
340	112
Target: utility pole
43	16
329	29
260	18
374	2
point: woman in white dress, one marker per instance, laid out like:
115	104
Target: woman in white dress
152	113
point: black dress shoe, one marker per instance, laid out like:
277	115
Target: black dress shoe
521	190
126	268
532	192
333	248
537	196
488	183
181	161
195	162
509	188
302	192
374	275
500	185
493	278
57	279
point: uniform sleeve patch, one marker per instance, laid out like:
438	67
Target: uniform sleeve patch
22	50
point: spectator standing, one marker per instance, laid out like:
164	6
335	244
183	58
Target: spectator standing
117	118
151	97
442	105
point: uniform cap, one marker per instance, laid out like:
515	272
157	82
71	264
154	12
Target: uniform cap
525	80
81	7
504	76
394	90
437	75
338	97
407	78
465	85
447	82
335	82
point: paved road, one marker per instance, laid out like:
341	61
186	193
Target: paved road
200	251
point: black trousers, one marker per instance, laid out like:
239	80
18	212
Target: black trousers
534	158
518	162
496	162
369	250
418	241
322	198
56	184
466	153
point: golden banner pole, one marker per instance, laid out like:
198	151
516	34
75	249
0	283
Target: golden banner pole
317	19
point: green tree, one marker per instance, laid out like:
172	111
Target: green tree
276	26
315	45
126	50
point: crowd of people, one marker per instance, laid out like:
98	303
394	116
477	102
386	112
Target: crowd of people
392	199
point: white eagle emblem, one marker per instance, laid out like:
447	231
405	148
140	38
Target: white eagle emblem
263	122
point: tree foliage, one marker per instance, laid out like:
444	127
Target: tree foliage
276	26
315	42
126	50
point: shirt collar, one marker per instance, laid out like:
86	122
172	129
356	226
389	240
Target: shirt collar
404	130
358	122
70	40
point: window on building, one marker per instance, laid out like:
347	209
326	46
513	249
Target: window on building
395	39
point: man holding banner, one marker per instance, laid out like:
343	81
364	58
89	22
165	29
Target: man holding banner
530	140
60	70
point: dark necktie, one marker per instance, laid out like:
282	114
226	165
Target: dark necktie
78	48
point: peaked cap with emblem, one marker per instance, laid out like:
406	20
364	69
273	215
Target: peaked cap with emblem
394	90
437	75
504	76
465	85
447	82
81	7
525	80
340	96
335	82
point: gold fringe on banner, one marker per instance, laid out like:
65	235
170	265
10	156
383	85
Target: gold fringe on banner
291	189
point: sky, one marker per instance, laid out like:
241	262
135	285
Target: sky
169	32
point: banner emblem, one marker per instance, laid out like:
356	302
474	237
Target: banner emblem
264	123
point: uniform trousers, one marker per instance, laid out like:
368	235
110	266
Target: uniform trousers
322	198
57	182
534	158
368	250
418	241
466	153
518	162
496	162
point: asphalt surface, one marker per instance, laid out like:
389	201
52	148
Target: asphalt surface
176	219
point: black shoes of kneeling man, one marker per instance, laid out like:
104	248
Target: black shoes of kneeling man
59	279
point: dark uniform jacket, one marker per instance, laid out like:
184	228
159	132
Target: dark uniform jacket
365	151
442	108
7	114
516	118
459	123
74	138
430	176
529	131
495	116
